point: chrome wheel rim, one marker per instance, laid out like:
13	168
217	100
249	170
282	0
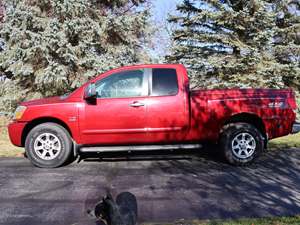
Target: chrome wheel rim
243	145
47	146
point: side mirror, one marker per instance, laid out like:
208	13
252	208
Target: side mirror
90	92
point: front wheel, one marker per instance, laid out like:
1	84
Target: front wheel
48	145
242	143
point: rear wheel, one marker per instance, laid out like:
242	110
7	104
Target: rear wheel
48	145
242	143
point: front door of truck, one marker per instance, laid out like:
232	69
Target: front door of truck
118	116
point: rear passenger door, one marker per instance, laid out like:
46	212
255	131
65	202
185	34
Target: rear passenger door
166	107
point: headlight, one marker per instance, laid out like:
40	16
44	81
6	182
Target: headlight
19	112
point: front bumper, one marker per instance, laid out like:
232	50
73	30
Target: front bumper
15	130
296	127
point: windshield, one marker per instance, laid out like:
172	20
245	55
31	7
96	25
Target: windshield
64	96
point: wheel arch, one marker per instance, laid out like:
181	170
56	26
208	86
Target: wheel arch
250	118
29	126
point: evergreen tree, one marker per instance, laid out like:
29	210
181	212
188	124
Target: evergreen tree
53	46
287	41
238	43
1	11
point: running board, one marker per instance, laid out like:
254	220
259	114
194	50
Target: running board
139	148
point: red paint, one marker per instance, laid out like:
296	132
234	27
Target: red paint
189	116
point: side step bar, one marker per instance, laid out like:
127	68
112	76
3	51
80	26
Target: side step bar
139	148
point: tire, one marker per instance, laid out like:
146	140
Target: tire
48	145
241	143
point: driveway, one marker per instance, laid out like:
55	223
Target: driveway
168	187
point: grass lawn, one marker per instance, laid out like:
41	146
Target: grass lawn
263	221
290	141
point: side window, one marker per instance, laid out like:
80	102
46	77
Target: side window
164	82
121	85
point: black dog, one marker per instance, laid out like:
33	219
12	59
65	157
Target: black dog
123	211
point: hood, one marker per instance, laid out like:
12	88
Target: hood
44	101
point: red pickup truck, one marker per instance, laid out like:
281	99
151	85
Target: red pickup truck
150	107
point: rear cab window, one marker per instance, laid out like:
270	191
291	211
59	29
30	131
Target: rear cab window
164	82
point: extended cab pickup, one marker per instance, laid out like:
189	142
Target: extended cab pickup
150	107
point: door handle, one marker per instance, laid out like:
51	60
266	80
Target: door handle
137	104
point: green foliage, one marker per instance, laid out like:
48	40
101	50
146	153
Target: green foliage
53	46
239	43
1	11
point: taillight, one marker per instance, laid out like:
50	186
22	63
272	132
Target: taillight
291	101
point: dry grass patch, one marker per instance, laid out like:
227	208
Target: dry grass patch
6	148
